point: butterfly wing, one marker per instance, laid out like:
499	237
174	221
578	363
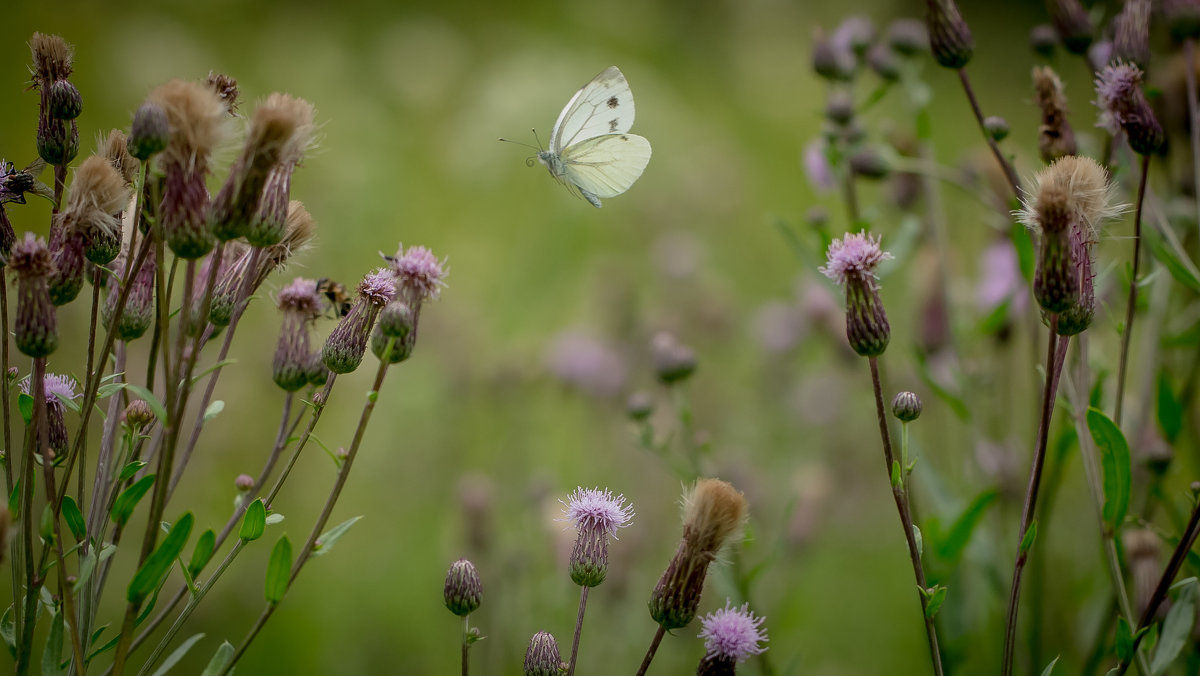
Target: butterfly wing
605	166
602	106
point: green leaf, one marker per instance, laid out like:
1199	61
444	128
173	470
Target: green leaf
123	506
1176	630
1170	410
1029	537
1117	466
279	568
1050	667
221	364
108	645
87	565
255	521
158	564
920	540
203	552
14	501
955	542
8	631
74	518
331	536
47	522
152	401
220	660
1023	243
129	470
108	389
1124	640
895	473
25	405
997	319
1175	260
177	655
52	654
954	401
67	402
937	595
214	409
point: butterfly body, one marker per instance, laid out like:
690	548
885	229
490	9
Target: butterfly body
591	150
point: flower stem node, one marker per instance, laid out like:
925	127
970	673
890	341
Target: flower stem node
906	406
463	590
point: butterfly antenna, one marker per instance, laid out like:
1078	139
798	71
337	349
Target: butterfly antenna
505	140
535	138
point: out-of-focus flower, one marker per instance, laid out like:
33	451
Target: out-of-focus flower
587	363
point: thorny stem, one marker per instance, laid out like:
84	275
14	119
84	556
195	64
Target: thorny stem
1130	306
583	594
1053	369
902	507
658	636
334	494
42	435
1164	583
1189	74
1009	172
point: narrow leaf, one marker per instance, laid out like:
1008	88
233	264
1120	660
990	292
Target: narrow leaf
331	536
1117	466
1050	667
1124	640
1176	630
1029	537
220	660
108	389
203	552
221	364
25	405
74	518
895	473
920	540
129	470
151	400
128	499
158	564
14	501
279	568
1170	410
177	655
8	631
960	533
255	521
936	598
52	655
86	566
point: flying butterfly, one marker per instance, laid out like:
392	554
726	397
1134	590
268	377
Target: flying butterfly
336	294
591	151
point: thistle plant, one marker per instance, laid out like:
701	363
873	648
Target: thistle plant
125	219
731	635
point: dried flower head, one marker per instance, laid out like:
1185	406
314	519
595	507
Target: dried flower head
52	58
1131	33
463	591
1074	184
270	221
542	657
712	512
1056	138
115	148
97	195
1123	106
299	231
732	633
226	89
597	515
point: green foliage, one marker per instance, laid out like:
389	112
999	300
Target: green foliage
74	518
279	570
1117	465
177	655
330	537
1169	410
1030	536
203	552
158	564
1176	629
125	503
220	660
254	522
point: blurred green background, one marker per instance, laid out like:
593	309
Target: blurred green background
477	437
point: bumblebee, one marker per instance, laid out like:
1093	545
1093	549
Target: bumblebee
335	293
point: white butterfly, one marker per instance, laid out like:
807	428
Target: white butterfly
590	148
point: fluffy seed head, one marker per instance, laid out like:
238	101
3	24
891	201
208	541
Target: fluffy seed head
116	150
52	58
226	89
1056	138
1074	185
712	512
195	117
732	632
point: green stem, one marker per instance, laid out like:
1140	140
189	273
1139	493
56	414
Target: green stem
1005	165
658	637
1131	303
583	595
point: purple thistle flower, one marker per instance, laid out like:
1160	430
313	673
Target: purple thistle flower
596	515
1123	106
732	633
855	255
301	305
816	166
56	387
343	351
419	274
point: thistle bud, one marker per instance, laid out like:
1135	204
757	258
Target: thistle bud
996	127
868	163
243	483
906	406
1055	282
839	109
397	325
57	134
301	305
138	312
150	131
639	406
463	591
851	263
829	60
317	373
542	657
1043	39
596	515
883	60
908	37
138	414
36	327
673	361
713	511
1131	33
949	37
57	140
64	101
66	250
1123	106
1056	138
1078	317
731	635
1073	25
1183	18
344	348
